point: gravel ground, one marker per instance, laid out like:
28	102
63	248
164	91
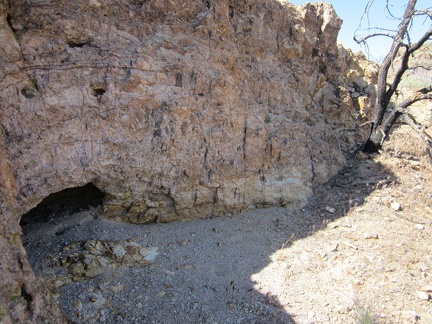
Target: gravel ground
202	273
360	249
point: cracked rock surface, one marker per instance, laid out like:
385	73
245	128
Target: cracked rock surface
175	110
178	110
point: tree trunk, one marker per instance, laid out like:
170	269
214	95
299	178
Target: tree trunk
379	134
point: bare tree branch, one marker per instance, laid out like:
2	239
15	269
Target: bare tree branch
384	96
388	10
366	12
422	94
380	135
425	12
415	67
360	39
421	41
400	72
402	49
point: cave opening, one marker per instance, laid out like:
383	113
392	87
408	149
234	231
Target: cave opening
59	219
64	202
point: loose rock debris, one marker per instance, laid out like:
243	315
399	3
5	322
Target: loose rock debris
88	259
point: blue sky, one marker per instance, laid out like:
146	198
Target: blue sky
351	12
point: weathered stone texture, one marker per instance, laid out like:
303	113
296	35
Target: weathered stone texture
174	109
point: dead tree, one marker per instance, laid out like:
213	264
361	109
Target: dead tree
402	49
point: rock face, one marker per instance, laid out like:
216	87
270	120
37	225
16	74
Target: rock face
174	109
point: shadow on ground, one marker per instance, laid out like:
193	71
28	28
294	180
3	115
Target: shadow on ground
204	268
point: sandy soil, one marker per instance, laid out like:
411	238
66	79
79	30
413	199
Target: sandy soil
360	249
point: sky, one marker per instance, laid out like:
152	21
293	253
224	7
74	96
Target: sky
352	11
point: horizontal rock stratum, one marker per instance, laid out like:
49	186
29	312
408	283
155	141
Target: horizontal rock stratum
174	109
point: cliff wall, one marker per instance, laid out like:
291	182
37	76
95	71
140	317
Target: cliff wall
174	109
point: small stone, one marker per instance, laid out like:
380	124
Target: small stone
93	297
346	224
396	206
333	225
426	288
331	210
183	243
419	227
362	156
103	314
78	305
188	266
369	236
116	289
343	309
423	295
58	282
169	272
161	294
149	254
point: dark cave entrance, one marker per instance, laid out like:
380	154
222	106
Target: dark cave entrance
64	202
56	221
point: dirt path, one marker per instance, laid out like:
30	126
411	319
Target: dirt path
351	252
